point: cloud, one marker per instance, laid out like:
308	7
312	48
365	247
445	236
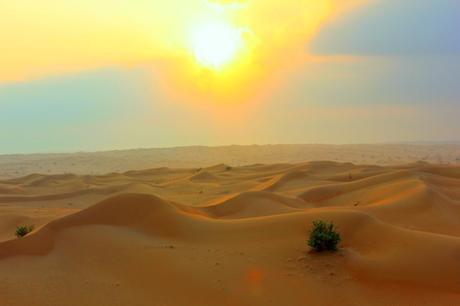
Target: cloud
384	27
53	38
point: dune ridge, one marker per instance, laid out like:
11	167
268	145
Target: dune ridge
234	236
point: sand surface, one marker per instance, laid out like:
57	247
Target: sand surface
225	235
201	156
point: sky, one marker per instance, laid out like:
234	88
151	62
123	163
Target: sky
100	75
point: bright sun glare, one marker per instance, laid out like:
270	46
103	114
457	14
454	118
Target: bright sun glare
215	44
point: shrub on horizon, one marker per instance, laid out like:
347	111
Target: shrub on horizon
323	236
23	230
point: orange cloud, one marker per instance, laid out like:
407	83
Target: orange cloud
53	38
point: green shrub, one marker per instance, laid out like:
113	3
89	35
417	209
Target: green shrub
323	237
23	230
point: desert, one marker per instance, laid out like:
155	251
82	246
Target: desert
229	153
233	235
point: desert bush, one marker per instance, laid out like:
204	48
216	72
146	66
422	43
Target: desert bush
323	236
23	230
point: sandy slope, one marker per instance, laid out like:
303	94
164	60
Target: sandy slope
233	236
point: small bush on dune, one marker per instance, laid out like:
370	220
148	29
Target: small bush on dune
323	237
23	230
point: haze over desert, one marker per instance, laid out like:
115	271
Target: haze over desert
230	153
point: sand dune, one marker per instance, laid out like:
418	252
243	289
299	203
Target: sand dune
233	236
255	204
203	176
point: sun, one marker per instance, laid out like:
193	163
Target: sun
215	44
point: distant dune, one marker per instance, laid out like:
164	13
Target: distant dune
235	235
199	156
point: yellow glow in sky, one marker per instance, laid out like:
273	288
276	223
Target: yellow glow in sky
204	49
216	43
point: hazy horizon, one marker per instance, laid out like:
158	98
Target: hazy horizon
103	150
